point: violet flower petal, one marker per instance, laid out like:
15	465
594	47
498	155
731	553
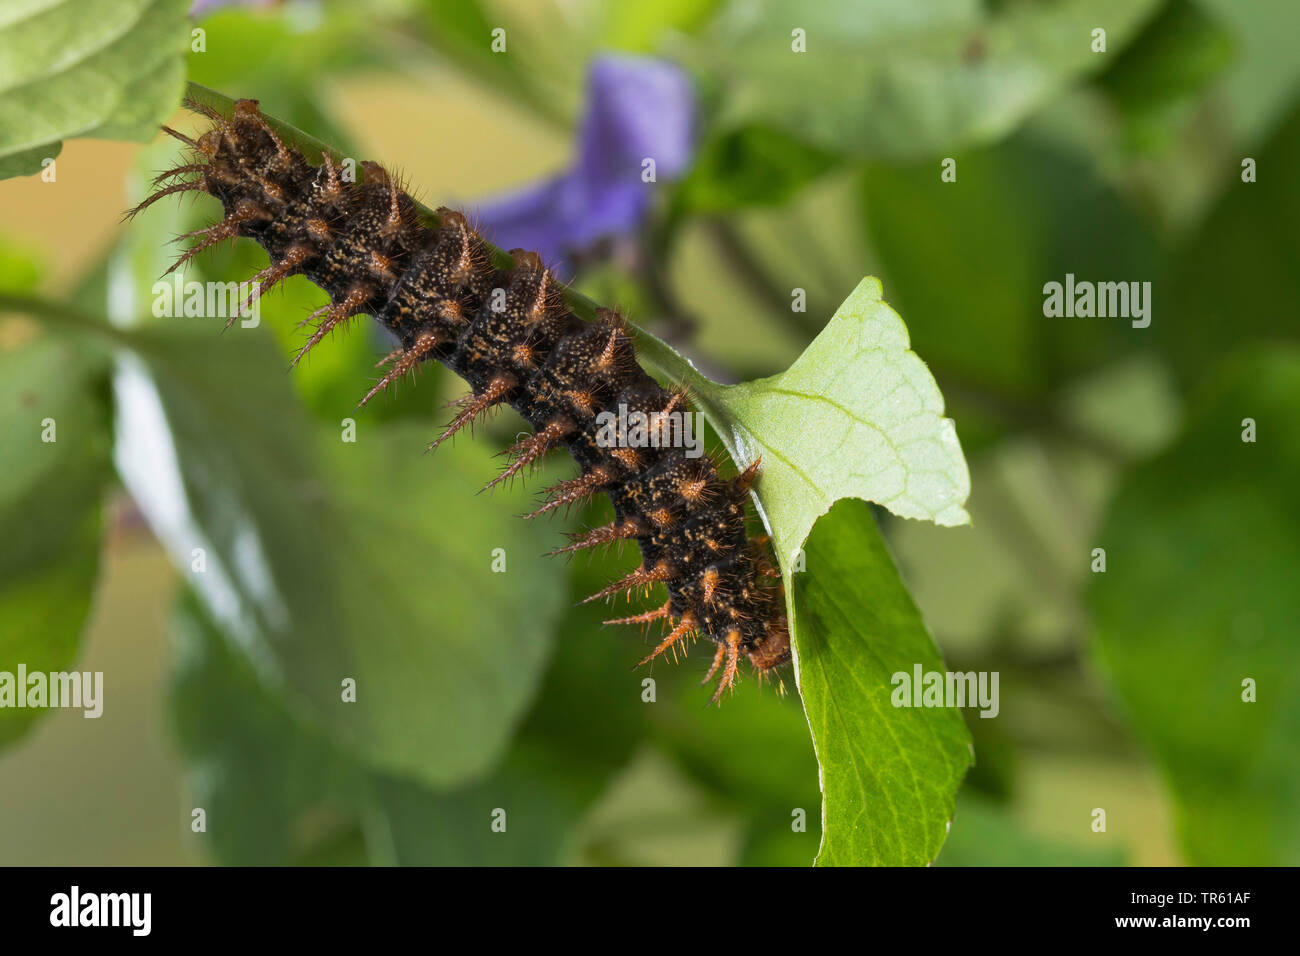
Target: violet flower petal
638	108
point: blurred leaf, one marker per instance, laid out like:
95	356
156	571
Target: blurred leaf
984	835
765	784
1199	595
926	78
753	166
253	767
51	495
781	775
640	27
778	846
1262	82
261	774
582	730
998	756
330	560
1237	278
109	69
318	559
461	30
1176	55
650	815
1019	215
285	61
889	774
1012	579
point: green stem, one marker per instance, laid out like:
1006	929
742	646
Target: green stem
62	317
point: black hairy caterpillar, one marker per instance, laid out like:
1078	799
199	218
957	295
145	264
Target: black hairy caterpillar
510	335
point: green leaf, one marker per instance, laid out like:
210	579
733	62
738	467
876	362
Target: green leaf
641	26
285	60
753	166
461	30
889	774
1264	77
858	415
925	78
582	729
1176	56
111	69
1251	235
1019	214
269	782
1198	596
332	560
51	494
254	768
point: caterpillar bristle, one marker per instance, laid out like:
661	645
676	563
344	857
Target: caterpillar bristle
642	577
684	629
572	491
404	361
645	617
529	451
176	134
171	190
474	406
604	535
340	313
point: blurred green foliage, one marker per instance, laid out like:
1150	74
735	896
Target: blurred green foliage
105	68
1215	508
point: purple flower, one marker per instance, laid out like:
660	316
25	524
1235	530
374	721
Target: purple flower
638	108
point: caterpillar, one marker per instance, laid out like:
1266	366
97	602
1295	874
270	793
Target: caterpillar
510	335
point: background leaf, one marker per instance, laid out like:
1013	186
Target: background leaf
50	492
1251	234
1215	508
112	69
275	788
926	78
317	579
1054	215
50	501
